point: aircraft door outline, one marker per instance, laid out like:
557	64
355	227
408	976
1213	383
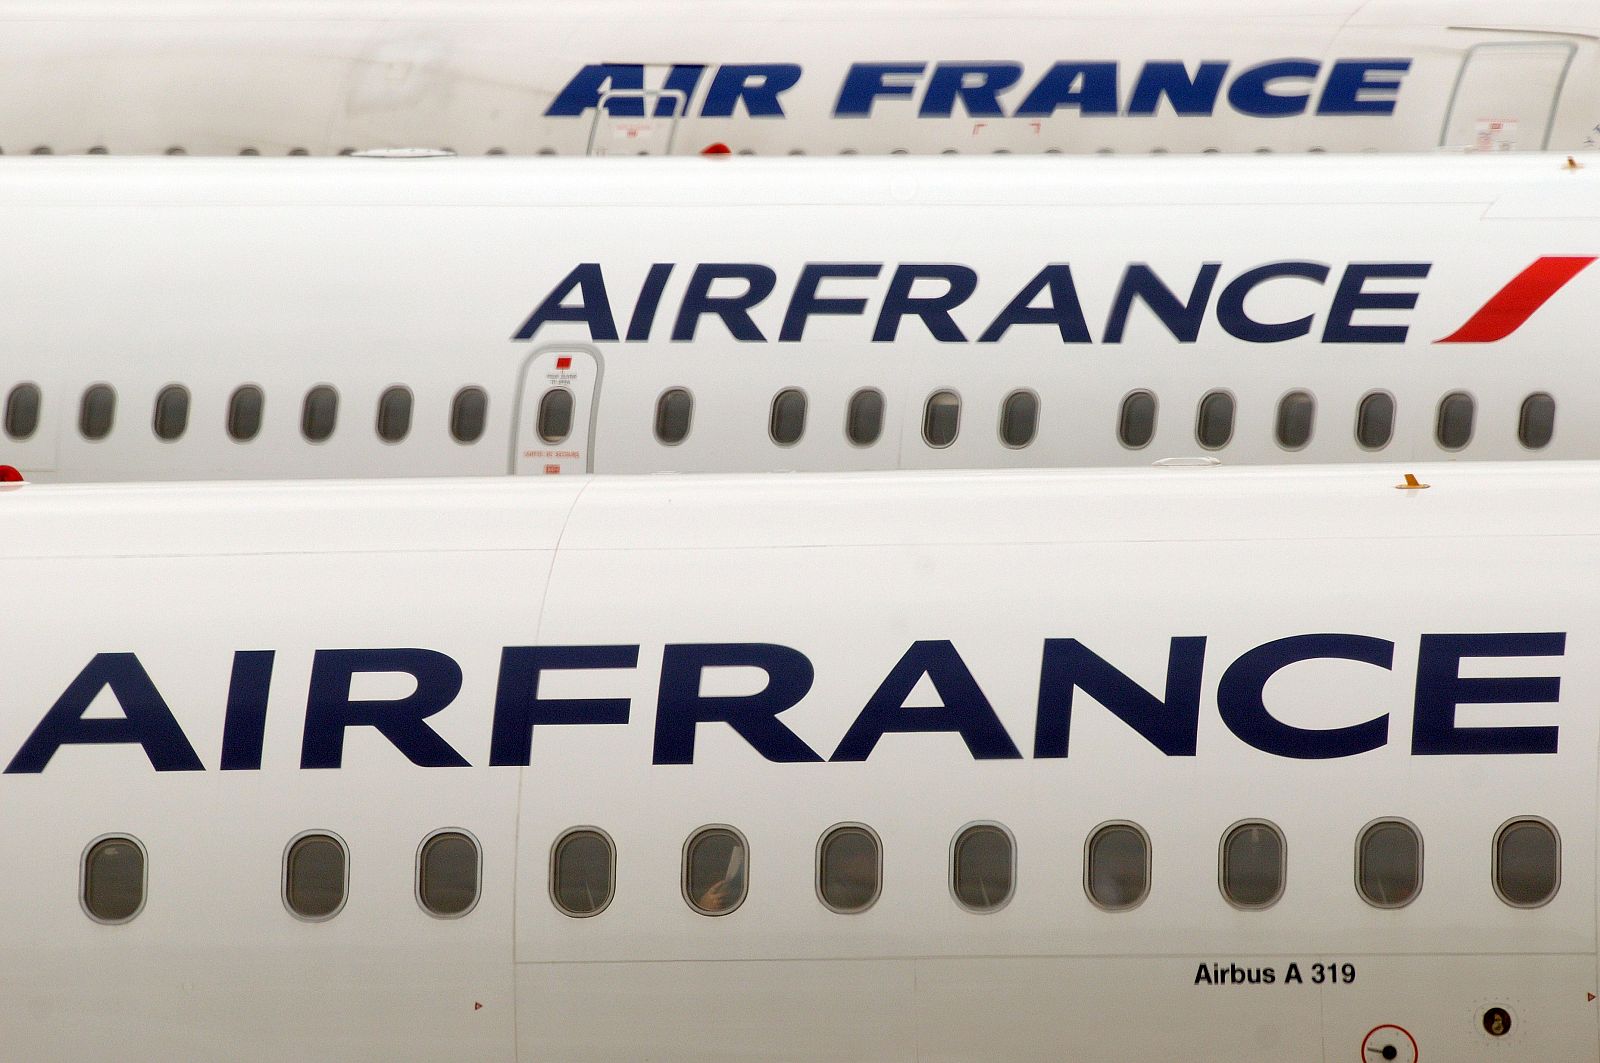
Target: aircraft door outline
553	424
1479	116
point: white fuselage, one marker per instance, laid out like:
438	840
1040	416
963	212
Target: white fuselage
776	77
210	674
1230	296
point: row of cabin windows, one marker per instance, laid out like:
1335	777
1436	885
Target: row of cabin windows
864	416
319	413
1252	869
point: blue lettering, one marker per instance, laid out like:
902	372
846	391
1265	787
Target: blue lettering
865	82
1350	86
1090	87
965	709
1241	704
583	92
1170	724
759	85
1182	319
681	82
1239	325
1188	96
934	310
644	311
330	709
1249	92
1064	311
976	85
518	708
244	722
805	301
1350	298
146	719
734	310
1441	687
681	708
594	310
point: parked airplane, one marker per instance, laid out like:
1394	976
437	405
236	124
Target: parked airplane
1139	765
797	76
357	317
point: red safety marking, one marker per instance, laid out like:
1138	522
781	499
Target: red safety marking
10	475
563	363
1512	305
552	470
718	148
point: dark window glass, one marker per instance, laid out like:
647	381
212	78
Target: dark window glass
941	419
1375	420
245	408
22	411
320	413
1117	866
98	411
1389	864
863	421
849	866
1537	424
172	412
447	874
555	415
1454	428
469	411
1527	863
1019	419
113	880
582	867
314	876
1297	413
788	421
1213	425
673	410
394	414
1136	424
981	866
1253	864
715	871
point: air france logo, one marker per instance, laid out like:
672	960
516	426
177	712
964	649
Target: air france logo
1358	302
1276	88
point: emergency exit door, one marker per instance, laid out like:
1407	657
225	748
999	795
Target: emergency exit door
554	432
645	121
1506	94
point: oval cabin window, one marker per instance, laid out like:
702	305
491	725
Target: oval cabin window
1375	420
97	412
1389	864
674	409
1214	421
982	863
22	411
469	411
941	419
788	421
394	414
1117	866
1297	413
582	869
1527	863
447	874
863	420
715	871
1019	419
320	413
1454	428
315	876
1536	425
849	867
171	418
245	408
113	880
1136	424
555	415
1253	865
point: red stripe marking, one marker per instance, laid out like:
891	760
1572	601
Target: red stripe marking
1512	305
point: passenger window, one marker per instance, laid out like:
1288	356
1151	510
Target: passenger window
22	411
1375	420
849	867
315	876
788	421
1454	428
1213	425
863	421
555	415
244	413
1389	864
469	411
1019	419
1136	424
982	863
98	411
674	409
113	880
394	414
1297	413
1527	863
320	413
1537	425
1253	865
447	874
941	419
715	871
582	871
1117	866
172	412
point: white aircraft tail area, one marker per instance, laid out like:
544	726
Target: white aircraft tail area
946	766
